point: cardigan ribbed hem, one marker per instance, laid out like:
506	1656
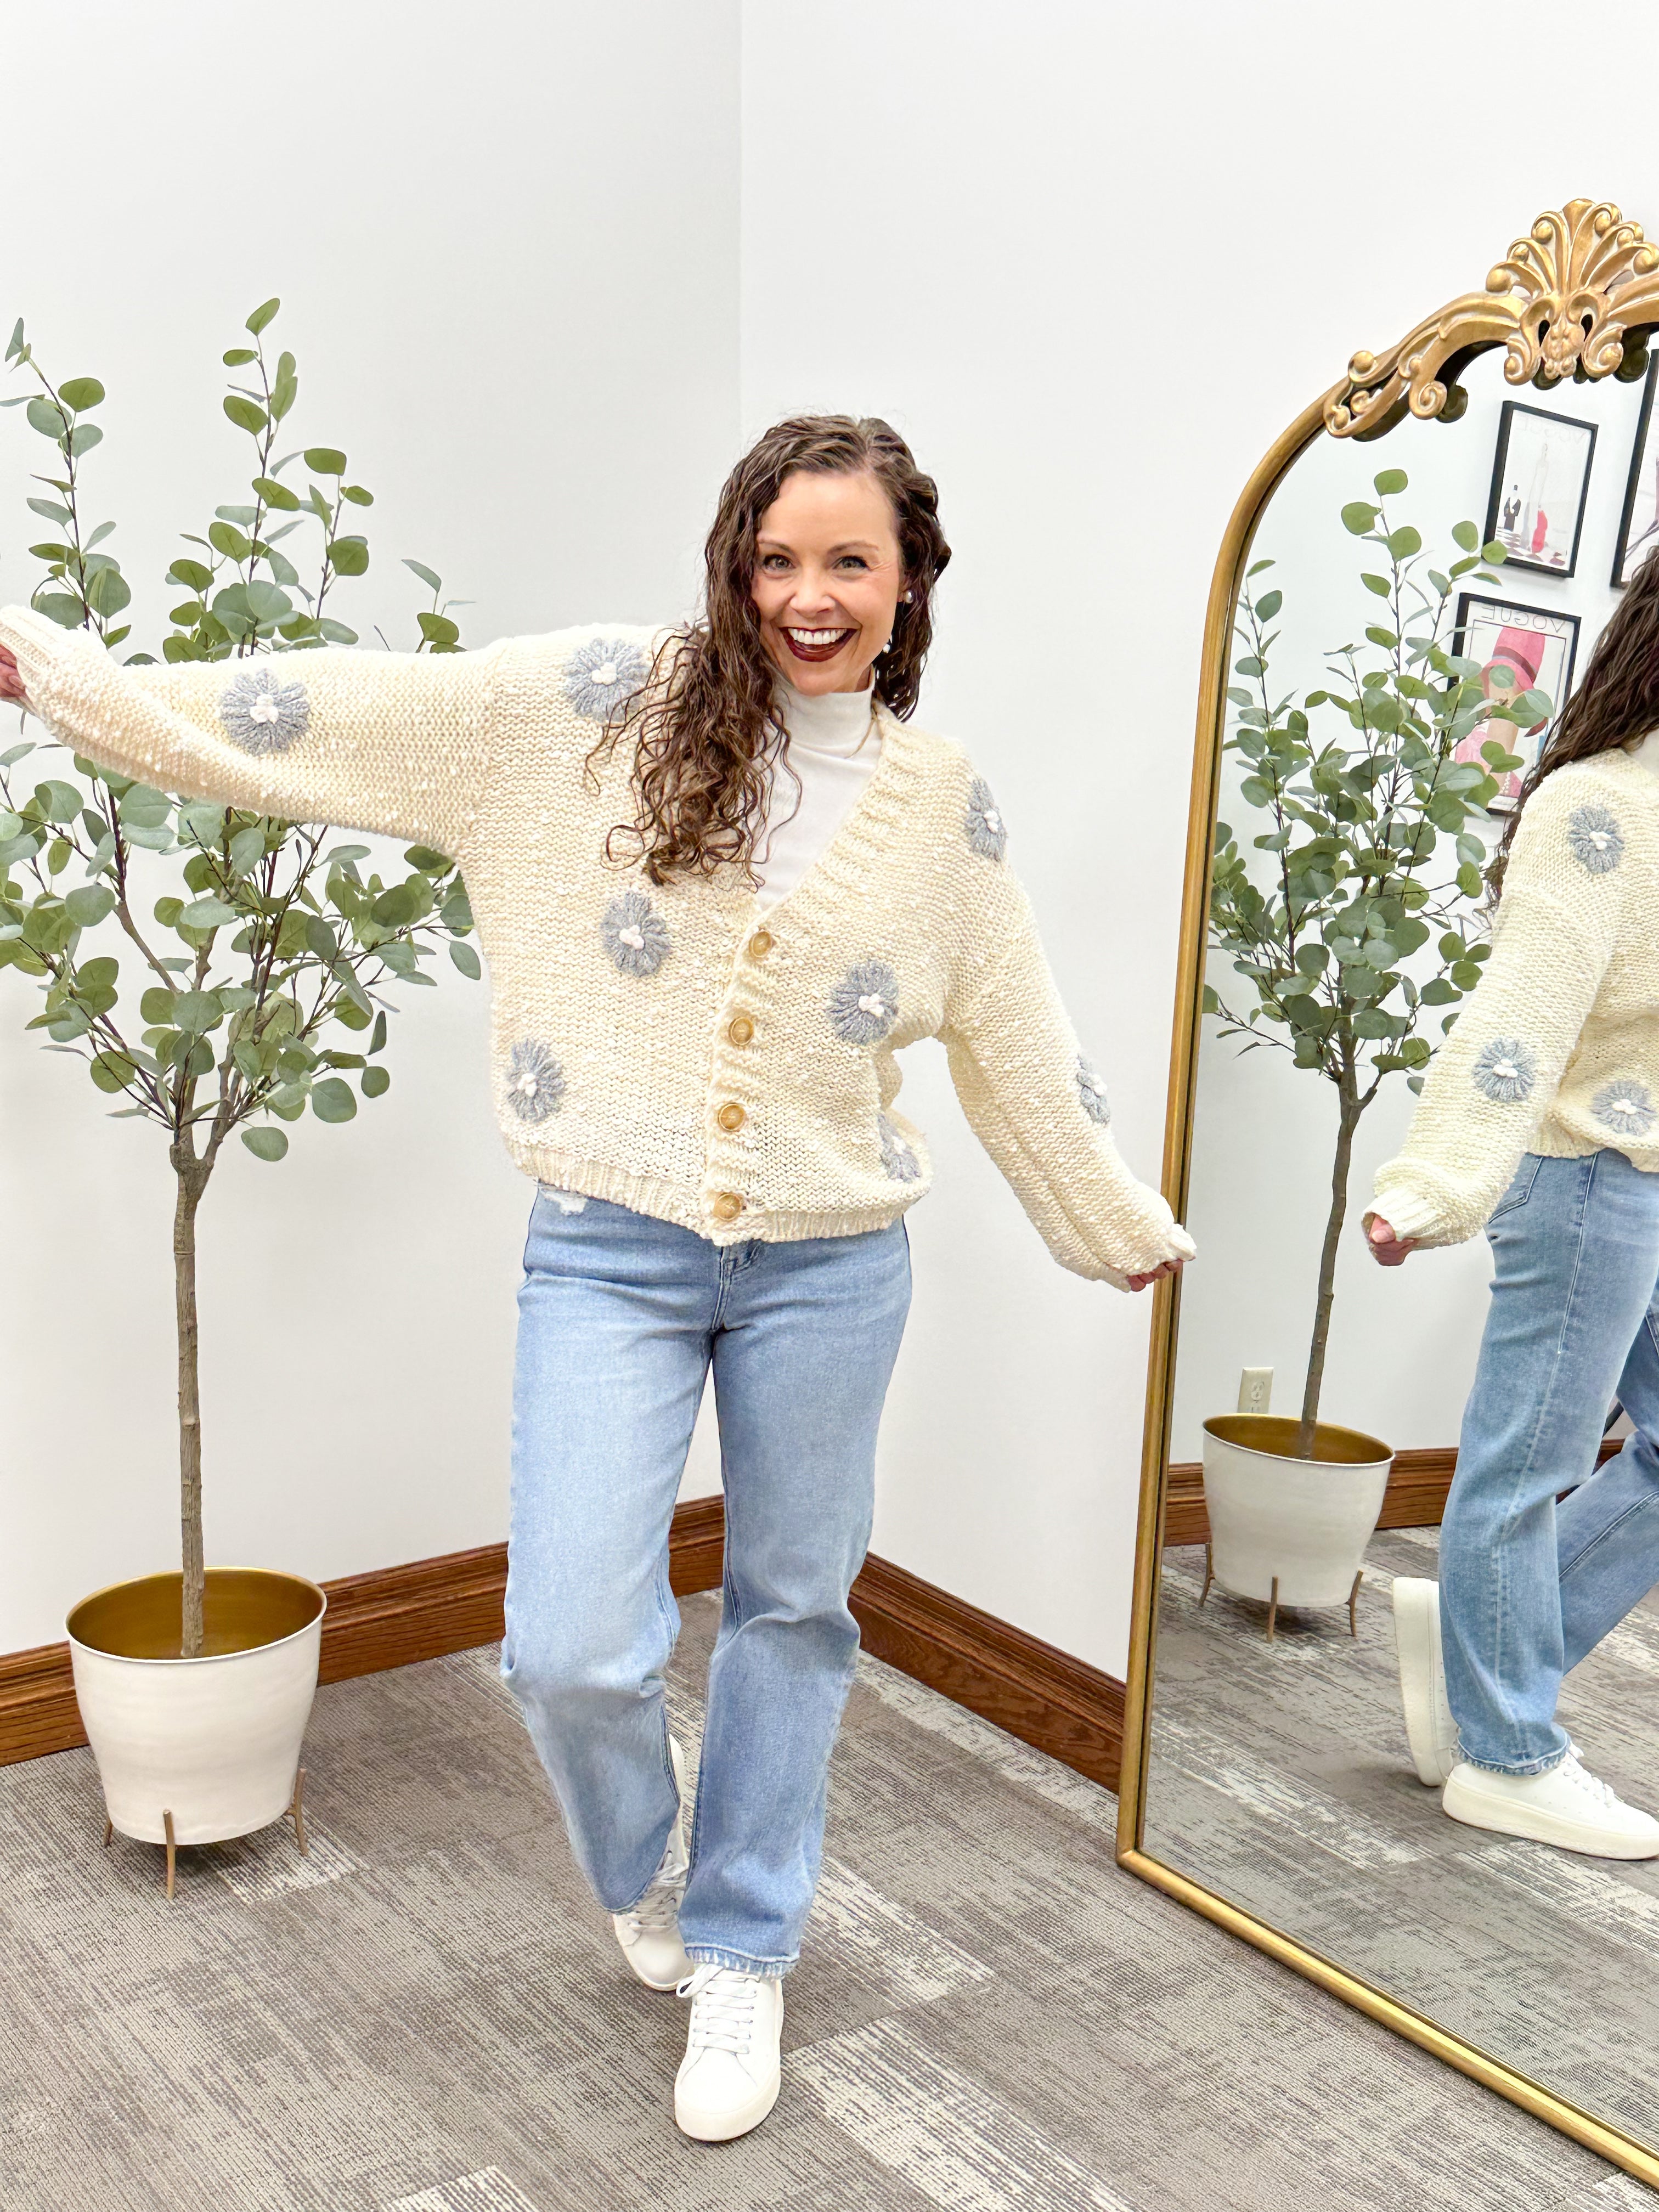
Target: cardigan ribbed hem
670	1201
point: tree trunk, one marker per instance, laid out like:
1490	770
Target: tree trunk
1349	1111
192	1180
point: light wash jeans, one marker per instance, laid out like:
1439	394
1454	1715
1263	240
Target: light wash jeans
620	1317
1528	1587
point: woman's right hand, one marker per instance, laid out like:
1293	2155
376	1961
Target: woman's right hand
1388	1249
11	683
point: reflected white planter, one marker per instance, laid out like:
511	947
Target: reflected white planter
1304	1523
214	1741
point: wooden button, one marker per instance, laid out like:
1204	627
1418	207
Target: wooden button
728	1205
760	945
741	1028
730	1115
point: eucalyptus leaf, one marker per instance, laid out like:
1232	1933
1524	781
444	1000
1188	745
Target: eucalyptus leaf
209	913
225	538
89	904
332	1100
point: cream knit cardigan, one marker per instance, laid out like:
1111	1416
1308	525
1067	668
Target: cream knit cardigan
1557	1049
662	1045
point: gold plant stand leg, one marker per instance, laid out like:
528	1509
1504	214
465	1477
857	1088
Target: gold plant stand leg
1209	1571
297	1813
109	1830
172	1853
1273	1610
1353	1601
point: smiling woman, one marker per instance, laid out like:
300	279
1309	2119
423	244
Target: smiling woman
697	1065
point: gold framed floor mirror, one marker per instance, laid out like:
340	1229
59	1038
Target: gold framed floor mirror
1265	1779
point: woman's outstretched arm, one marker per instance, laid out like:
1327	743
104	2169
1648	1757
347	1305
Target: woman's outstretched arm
1496	1076
1038	1106
395	742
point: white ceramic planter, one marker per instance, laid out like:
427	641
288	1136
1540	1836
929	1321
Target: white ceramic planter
1304	1523
214	1741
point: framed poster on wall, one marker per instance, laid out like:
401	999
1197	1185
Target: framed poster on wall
1519	649
1539	481
1639	525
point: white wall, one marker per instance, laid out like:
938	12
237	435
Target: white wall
1091	258
482	223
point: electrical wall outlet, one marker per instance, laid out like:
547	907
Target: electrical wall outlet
1255	1390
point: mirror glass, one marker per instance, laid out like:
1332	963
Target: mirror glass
1279	1776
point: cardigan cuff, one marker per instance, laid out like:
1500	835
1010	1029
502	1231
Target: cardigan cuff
37	644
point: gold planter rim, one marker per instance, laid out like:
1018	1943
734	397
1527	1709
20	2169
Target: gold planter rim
1273	1436
247	1609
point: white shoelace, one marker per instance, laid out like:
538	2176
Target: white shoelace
658	1909
1602	1792
722	2008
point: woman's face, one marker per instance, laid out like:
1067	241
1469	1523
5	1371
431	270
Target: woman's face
827	578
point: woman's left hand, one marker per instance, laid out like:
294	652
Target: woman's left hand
1169	1267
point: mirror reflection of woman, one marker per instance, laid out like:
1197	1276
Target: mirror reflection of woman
1539	1122
722	880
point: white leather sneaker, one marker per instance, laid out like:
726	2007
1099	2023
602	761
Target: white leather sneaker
1430	1728
728	2080
650	1934
1565	1805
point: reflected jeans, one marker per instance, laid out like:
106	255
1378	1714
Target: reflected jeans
621	1317
1528	1587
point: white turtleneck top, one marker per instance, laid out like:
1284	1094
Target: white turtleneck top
834	747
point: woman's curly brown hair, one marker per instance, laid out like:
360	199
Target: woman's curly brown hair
703	724
1618	700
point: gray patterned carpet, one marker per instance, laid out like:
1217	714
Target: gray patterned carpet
429	2015
1280	1778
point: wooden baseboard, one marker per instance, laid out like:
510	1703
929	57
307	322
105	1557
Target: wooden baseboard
1072	1710
1415	1498
395	1615
387	1617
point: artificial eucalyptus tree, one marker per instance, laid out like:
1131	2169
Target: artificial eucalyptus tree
255	986
1351	930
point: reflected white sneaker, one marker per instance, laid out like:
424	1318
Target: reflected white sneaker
650	1934
1430	1728
1565	1805
728	2080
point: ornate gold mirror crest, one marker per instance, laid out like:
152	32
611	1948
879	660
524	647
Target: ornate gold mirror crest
1577	298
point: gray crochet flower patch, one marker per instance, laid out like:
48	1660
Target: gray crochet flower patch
1091	1090
1626	1108
987	833
261	713
1505	1070
897	1156
601	674
864	1005
635	935
535	1080
1597	841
